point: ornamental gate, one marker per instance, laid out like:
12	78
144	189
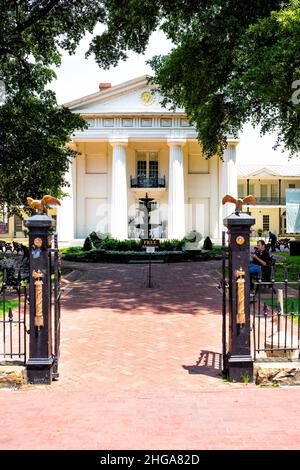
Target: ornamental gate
14	274
260	317
30	291
275	315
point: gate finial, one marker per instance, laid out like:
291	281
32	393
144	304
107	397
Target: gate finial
239	202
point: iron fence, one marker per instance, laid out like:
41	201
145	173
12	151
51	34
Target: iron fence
55	263
14	273
275	317
224	287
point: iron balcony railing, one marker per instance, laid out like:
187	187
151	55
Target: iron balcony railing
270	201
147	182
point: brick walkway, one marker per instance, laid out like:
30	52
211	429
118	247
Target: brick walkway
140	369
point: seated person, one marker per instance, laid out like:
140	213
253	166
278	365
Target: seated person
260	260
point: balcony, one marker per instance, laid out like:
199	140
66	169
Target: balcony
148	182
270	201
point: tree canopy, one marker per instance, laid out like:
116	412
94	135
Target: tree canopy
232	61
33	129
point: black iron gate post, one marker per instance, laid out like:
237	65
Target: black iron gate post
40	362
238	358
224	306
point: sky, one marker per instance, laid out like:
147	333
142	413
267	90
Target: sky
78	77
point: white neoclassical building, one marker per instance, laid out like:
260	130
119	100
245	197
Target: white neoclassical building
134	146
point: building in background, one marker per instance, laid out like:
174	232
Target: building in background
134	146
268	184
13	226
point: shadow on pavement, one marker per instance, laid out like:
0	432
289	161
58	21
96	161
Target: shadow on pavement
209	363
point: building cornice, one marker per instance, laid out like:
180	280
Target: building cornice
123	141
113	92
176	141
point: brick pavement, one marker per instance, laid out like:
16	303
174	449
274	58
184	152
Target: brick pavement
140	369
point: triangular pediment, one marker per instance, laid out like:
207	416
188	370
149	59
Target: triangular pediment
263	173
131	97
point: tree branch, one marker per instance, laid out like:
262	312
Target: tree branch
37	13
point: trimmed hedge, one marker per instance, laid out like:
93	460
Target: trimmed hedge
123	256
104	248
106	242
95	256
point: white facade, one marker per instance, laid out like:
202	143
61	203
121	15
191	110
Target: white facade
134	146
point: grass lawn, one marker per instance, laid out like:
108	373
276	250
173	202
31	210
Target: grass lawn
292	305
291	263
293	260
8	304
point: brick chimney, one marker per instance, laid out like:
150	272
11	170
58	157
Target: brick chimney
104	86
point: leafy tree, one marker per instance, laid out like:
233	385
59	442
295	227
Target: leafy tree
33	159
232	61
33	129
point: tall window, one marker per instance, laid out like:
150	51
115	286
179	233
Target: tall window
266	223
147	164
251	189
3	219
18	224
240	190
264	192
274	191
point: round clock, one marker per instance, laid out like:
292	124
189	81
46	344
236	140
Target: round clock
147	97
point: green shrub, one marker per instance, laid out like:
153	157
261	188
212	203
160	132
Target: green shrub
217	250
108	244
96	241
111	244
87	246
119	256
124	256
207	244
71	249
171	245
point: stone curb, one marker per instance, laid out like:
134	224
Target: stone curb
277	373
12	376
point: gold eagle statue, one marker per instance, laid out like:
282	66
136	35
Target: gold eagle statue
239	202
41	205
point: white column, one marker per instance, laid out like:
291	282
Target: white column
119	219
176	214
66	211
228	180
214	197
